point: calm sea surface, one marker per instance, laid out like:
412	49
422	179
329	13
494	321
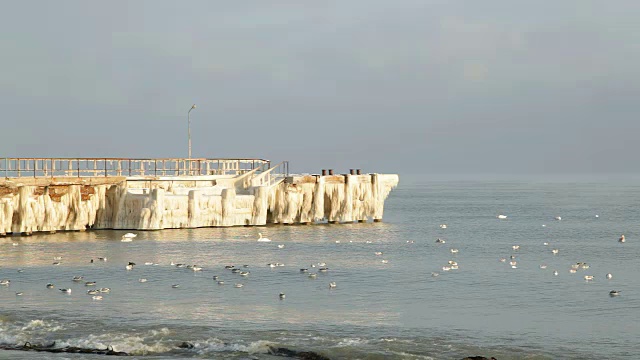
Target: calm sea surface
378	310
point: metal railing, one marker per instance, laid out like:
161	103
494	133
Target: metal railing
94	167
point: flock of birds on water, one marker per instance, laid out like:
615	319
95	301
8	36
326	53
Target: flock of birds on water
453	265
97	293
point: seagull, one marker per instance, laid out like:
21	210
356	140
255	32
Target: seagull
67	290
451	262
175	286
434	274
20	293
545	243
105	290
129	236
244	273
503	260
78	278
588	277
220	282
148	263
262	239
50	286
621	239
443	226
502	216
573	271
543	266
5	282
378	253
516	247
313	276
57	258
281	295
337	242
597	216
129	267
97	297
609	276
555	272
142	280
558	218
454	251
439	241
238	285
332	285
385	261
281	246
92	292
196	268
555	251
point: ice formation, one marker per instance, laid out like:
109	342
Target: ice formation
190	202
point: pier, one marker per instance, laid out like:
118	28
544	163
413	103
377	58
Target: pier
76	194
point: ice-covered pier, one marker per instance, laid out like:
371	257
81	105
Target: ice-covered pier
57	194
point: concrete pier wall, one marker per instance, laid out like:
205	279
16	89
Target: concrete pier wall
51	204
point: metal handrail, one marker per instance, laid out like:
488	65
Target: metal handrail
127	167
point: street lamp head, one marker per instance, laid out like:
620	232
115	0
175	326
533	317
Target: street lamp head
193	106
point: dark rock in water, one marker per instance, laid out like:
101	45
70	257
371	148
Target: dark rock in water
69	349
303	355
479	358
186	345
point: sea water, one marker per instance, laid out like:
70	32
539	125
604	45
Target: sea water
396	309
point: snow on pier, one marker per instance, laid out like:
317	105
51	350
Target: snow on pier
48	195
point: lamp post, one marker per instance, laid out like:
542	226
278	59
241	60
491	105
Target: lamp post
189	129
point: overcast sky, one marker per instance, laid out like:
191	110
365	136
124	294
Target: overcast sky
403	86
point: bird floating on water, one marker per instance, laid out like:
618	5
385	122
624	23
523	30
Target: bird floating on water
175	286
454	251
332	284
20	293
588	277
555	251
105	290
515	247
609	276
50	286
555	272
5	282
78	278
281	295
142	280
385	261
281	246
439	241
128	237
263	239
502	216
90	283
378	253
443	226
558	218
238	285
622	239
97	297
67	290
614	293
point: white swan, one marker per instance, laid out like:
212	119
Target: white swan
263	239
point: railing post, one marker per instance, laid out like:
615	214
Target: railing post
105	167
129	167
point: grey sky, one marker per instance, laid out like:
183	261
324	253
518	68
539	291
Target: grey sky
407	86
